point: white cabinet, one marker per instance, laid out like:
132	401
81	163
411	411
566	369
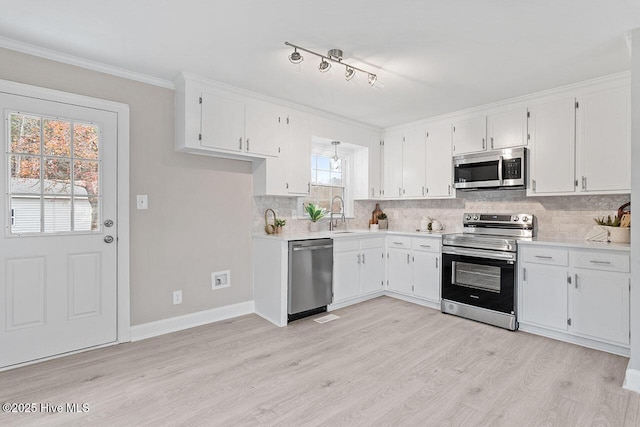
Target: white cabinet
507	129
375	170
552	153
289	174
413	266
469	135
358	267
438	164
580	294
413	164
221	122
392	165
604	140
261	130
543	293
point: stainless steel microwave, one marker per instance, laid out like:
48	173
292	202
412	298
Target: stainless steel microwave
491	169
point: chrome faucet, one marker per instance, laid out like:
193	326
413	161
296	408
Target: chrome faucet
332	224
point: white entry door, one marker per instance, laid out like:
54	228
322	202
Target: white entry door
58	248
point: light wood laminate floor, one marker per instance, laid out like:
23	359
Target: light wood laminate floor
384	362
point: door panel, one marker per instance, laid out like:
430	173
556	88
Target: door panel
58	274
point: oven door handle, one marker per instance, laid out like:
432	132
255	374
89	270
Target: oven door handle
501	256
453	272
500	170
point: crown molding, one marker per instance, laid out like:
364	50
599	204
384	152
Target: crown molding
54	55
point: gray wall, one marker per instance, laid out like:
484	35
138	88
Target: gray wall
200	209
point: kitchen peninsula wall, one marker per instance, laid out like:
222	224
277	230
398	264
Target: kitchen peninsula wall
556	216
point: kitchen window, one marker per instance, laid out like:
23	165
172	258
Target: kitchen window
330	179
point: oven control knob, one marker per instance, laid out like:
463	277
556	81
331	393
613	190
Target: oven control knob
475	217
515	218
468	218
525	218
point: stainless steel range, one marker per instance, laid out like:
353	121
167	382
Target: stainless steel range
479	267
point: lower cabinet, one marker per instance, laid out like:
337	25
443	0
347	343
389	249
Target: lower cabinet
358	267
579	292
413	265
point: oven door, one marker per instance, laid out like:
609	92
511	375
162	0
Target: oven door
480	278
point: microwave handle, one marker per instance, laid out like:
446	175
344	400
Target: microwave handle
500	170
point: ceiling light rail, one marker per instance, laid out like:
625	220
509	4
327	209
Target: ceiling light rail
335	56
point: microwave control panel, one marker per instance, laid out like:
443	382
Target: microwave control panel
512	168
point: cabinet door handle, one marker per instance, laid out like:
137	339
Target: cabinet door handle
436	263
240	143
247	144
449	189
425	246
398	243
584	182
408	258
491	142
524	274
544	257
483	143
423	190
358	258
576	280
363	258
399	191
593	261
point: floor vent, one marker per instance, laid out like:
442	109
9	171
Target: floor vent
327	318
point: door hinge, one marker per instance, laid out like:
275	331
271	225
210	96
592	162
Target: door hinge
576	183
278	149
528	114
454	148
427	134
200	100
413	288
577	104
387	283
383	258
528	137
287	119
569	322
278	119
382	283
454	128
199	137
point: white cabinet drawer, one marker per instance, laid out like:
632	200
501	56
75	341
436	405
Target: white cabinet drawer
427	245
401	242
345	245
372	243
545	255
600	261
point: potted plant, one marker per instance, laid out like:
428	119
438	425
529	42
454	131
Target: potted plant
315	214
383	222
279	224
617	234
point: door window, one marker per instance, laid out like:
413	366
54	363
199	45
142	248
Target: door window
54	174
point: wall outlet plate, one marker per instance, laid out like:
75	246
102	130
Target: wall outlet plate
177	297
142	201
220	279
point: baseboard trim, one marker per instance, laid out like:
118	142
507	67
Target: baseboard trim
352	301
179	323
424	302
632	380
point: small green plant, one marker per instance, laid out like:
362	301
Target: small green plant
281	222
382	215
609	222
315	212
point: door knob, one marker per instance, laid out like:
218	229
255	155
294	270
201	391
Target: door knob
108	223
108	239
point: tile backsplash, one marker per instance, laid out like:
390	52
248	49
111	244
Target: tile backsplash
556	216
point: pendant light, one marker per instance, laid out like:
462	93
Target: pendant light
335	160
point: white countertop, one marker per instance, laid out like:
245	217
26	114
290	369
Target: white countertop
305	235
576	243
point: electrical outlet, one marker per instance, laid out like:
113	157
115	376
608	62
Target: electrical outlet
220	279
177	297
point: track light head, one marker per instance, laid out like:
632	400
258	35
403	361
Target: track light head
295	57
349	73
372	79
324	66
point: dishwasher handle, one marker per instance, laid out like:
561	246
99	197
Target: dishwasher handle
311	248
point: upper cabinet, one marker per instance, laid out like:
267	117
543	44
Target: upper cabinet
439	168
603	124
261	128
392	166
221	122
581	145
552	151
470	135
413	164
497	130
507	129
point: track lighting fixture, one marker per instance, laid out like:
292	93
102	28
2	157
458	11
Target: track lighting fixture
335	56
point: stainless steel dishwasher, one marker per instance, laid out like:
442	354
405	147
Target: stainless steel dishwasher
310	277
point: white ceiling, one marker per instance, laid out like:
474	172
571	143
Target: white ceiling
433	56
